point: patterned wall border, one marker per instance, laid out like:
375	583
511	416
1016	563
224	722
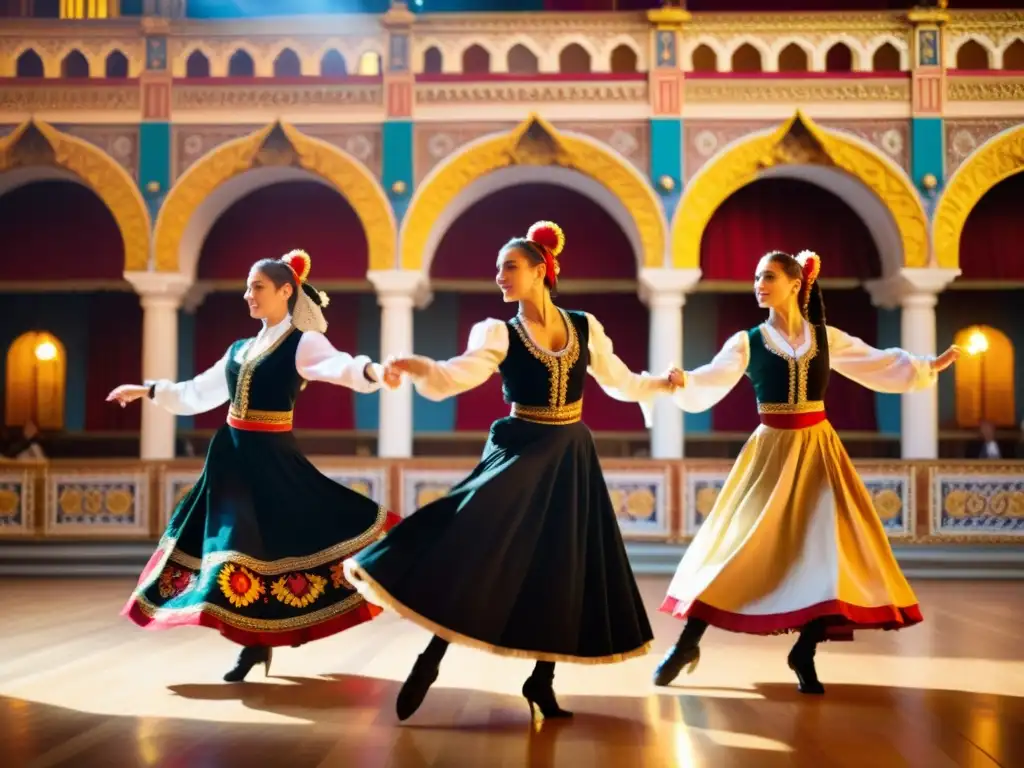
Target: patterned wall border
642	501
420	486
981	502
17	502
100	502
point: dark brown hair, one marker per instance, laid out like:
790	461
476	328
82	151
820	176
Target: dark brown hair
814	310
279	273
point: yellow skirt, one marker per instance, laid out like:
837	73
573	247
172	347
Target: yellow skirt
793	536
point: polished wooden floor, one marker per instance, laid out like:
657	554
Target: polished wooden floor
81	687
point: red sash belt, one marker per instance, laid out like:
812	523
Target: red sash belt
260	421
792	420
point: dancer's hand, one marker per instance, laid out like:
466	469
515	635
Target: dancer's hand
392	377
412	365
676	378
946	359
127	393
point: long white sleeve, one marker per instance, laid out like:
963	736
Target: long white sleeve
892	371
707	385
614	375
203	393
486	349
316	359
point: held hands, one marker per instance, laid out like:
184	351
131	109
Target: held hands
127	393
946	359
676	378
411	366
382	374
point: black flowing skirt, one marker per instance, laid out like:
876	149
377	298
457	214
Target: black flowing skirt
522	558
255	548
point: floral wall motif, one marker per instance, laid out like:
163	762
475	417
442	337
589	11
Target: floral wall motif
121	142
964	136
980	503
363	142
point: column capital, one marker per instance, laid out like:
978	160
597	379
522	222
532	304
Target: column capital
159	287
659	285
910	287
400	285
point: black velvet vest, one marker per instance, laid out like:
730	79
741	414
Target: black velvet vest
267	382
537	378
783	383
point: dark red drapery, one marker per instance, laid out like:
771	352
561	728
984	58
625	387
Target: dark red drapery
990	246
595	246
788	215
115	357
625	321
275	219
849	405
58	230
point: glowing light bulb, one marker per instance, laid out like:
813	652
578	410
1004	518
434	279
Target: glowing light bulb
977	343
46	351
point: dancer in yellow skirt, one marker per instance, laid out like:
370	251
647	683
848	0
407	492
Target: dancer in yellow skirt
793	541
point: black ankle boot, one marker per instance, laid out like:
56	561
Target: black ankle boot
801	659
423	674
248	658
539	692
685	653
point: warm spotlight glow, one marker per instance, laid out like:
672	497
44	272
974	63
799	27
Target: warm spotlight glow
46	351
977	343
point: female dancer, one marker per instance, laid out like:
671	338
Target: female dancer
524	557
793	542
254	549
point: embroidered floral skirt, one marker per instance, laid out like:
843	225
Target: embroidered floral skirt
522	558
793	536
255	548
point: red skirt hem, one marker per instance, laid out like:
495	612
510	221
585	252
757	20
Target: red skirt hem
363	613
844	617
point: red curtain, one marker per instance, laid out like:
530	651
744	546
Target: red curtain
595	245
59	230
788	215
625	321
115	357
275	219
990	246
849	405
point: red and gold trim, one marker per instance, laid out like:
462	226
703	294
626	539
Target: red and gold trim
792	415
842	617
260	421
556	415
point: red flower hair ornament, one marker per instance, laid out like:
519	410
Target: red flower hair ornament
551	240
810	265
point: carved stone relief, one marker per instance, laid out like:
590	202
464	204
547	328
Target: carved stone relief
963	137
121	142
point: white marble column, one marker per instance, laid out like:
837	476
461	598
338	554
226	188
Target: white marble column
664	291
398	293
160	295
916	292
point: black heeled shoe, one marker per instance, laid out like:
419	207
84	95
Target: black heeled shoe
248	658
802	663
540	695
414	689
680	656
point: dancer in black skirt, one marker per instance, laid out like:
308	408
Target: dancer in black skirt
255	548
524	557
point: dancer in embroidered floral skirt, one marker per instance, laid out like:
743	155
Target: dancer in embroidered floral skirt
524	557
793	542
254	549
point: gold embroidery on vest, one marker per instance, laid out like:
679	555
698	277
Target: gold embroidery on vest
559	364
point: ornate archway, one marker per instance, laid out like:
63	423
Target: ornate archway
38	144
798	143
996	160
533	143
283	147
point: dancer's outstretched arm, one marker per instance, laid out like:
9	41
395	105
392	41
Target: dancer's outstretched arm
705	386
440	379
316	359
205	392
893	371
